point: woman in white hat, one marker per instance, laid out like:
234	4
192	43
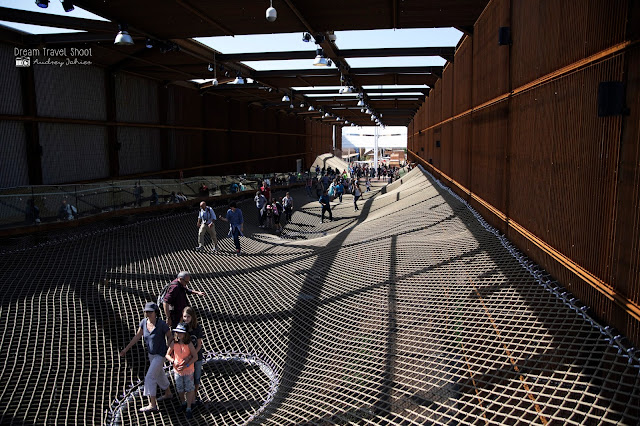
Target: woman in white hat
157	336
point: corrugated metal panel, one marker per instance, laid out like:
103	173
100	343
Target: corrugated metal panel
140	150
627	253
60	94
14	170
186	106
491	61
72	152
462	76
10	84
488	154
448	91
573	164
543	157
446	148
548	35
435	104
136	99
461	151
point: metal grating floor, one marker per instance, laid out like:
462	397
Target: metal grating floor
408	311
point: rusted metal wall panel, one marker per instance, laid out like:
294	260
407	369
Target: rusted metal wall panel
463	77
435	104
447	93
461	151
488	154
542	166
446	148
490	61
627	238
548	35
571	156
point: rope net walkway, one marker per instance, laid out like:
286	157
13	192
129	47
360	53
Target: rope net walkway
406	312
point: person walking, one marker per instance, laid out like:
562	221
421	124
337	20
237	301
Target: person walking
190	318
175	300
236	224
356	194
287	203
261	202
206	219
157	336
182	356
325	201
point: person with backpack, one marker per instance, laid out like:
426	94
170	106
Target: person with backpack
157	336
206	224
175	298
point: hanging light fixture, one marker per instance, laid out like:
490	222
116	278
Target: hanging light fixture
123	38
311	108
291	106
210	67
320	60
302	105
326	114
285	98
367	111
42	3
67	5
215	71
360	103
271	13
238	79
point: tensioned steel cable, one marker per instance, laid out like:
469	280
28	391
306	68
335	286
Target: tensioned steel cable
411	310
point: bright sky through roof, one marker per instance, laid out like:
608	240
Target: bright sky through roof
55	8
422	37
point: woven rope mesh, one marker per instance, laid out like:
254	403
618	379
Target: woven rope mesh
407	311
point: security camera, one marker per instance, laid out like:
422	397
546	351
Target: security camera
271	14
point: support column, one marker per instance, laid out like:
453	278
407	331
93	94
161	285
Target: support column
163	104
32	136
113	146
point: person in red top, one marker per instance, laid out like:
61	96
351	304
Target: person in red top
175	300
266	191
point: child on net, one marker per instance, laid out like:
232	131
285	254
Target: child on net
182	355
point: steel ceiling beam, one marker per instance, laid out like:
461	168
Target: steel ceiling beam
444	52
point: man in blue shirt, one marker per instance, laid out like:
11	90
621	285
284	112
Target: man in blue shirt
236	224
325	200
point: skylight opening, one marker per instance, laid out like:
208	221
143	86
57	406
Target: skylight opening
397	61
55	8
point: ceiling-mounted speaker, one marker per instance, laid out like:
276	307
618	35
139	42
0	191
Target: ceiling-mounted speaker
611	100
504	36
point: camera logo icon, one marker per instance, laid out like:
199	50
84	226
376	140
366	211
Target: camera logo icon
23	61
